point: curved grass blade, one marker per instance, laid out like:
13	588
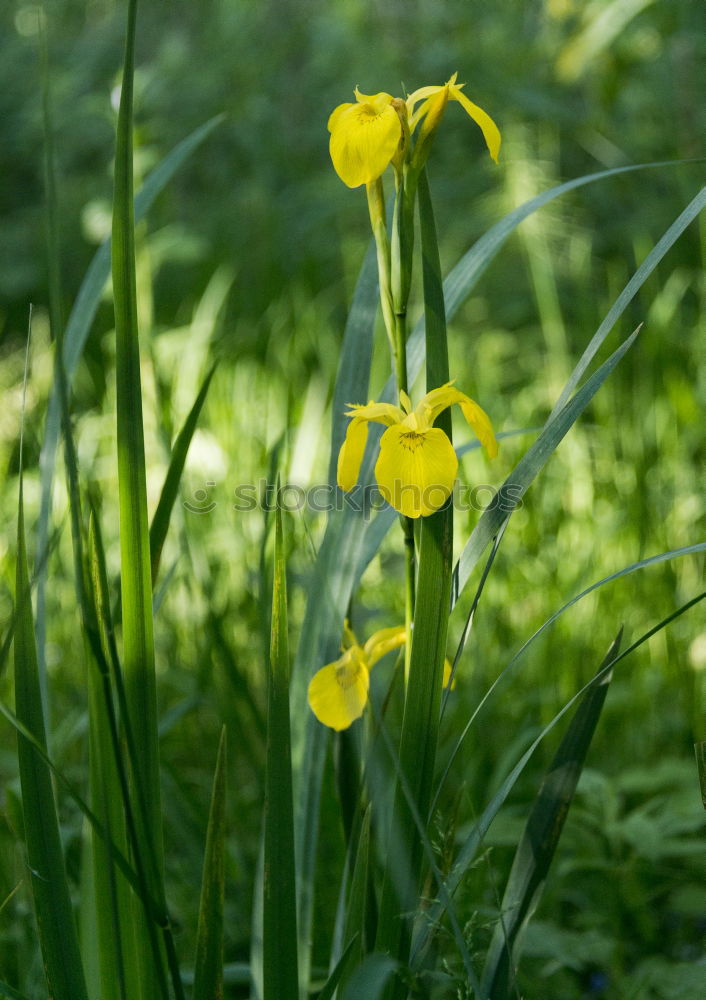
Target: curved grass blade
539	840
355	931
464	276
632	568
170	489
646	268
12	994
208	968
520	479
468	850
57	931
279	974
335	980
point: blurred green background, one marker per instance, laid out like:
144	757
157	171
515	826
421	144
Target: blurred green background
251	256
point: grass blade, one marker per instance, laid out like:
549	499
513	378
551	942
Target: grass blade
470	846
135	577
208	969
540	838
170	489
524	473
52	902
280	976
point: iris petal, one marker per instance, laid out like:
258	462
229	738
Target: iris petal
490	130
416	471
363	142
383	642
438	399
338	693
351	454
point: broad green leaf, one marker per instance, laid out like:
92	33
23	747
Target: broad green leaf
539	841
420	725
279	974
336	977
371	978
355	932
208	969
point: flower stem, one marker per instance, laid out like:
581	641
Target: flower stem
401	267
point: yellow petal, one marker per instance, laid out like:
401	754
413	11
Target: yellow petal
363	142
338	693
336	114
378	101
380	413
383	642
416	471
351	454
490	130
438	399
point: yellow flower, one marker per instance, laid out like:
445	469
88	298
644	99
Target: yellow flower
338	693
368	135
417	465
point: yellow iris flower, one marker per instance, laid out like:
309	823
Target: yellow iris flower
417	465
368	135
338	693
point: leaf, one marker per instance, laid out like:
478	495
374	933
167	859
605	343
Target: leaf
208	970
280	975
371	978
50	891
420	725
536	848
170	488
135	575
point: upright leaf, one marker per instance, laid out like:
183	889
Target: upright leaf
135	577
279	975
57	931
208	970
541	835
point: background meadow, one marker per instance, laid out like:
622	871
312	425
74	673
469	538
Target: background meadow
249	258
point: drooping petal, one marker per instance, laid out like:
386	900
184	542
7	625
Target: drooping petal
351	454
438	399
490	130
363	142
415	471
338	693
383	642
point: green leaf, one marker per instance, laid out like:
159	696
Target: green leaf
355	932
538	843
524	473
170	489
371	978
336	978
420	725
135	576
280	975
470	846
208	970
52	902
